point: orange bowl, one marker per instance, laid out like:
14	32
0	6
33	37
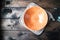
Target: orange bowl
35	18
